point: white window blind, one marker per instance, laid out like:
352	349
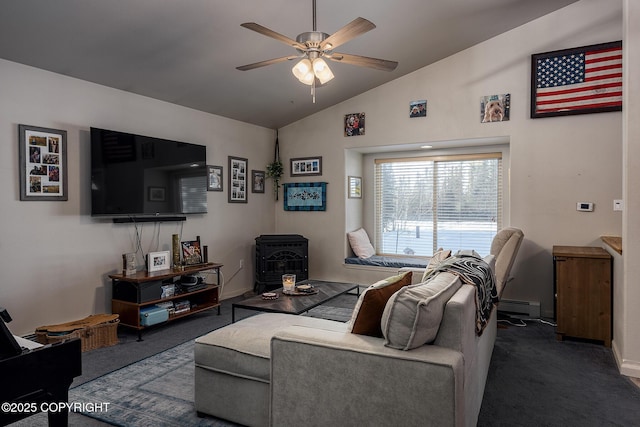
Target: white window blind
426	203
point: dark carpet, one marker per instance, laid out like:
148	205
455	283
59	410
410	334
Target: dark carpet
535	380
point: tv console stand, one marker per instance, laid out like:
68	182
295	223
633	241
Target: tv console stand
131	293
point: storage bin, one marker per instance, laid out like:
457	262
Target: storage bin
153	315
95	331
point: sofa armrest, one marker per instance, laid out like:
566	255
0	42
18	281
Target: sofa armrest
327	377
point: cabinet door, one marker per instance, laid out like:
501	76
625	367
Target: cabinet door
584	297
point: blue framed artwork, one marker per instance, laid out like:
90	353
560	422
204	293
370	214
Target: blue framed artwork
305	196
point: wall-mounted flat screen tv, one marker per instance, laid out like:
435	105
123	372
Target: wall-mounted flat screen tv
134	175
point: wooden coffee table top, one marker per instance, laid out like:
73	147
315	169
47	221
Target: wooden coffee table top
296	304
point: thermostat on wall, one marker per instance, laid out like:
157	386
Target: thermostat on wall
584	207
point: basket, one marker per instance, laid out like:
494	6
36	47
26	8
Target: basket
95	331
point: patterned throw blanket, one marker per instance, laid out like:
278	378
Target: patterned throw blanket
474	271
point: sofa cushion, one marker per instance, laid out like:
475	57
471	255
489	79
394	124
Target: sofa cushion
243	348
435	260
412	315
360	243
367	313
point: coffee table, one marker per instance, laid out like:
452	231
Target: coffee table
296	304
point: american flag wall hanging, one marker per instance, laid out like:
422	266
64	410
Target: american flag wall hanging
577	81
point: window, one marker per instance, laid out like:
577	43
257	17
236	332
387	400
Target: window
426	203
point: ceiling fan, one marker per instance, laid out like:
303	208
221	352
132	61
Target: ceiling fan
315	46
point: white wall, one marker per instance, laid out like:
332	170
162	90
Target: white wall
626	318
554	162
55	258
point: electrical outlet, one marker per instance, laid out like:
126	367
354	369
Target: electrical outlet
241	263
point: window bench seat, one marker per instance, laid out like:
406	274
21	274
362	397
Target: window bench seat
388	261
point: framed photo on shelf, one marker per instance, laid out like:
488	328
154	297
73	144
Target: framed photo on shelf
214	178
191	252
157	194
355	187
581	80
257	181
237	180
308	196
157	261
306	166
42	155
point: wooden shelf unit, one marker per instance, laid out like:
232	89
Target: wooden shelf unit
583	289
131	294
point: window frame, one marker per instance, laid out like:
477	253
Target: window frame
500	153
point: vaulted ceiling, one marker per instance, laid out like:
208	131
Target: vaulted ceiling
186	51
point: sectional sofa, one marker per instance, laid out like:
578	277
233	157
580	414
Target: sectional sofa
428	367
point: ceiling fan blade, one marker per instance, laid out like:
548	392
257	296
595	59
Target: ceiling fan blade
351	30
274	35
265	63
363	61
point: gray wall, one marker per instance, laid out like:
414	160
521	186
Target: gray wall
55	258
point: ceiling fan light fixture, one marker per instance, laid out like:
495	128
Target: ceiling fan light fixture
303	71
322	70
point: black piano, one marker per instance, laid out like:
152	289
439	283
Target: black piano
36	379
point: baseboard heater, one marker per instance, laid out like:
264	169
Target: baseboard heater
527	308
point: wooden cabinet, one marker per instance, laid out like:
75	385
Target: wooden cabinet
132	293
583	291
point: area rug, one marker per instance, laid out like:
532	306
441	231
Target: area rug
156	391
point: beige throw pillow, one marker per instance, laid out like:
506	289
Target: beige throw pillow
367	313
360	243
412	315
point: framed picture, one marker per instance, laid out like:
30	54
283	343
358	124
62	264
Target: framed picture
237	180
42	155
191	252
157	261
418	109
495	108
355	187
214	178
257	181
306	166
310	196
157	194
577	81
354	124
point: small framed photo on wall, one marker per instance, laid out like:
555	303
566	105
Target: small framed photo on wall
418	109
214	178
354	124
257	181
306	166
355	187
42	157
495	108
237	180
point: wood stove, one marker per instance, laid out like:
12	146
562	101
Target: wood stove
277	254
